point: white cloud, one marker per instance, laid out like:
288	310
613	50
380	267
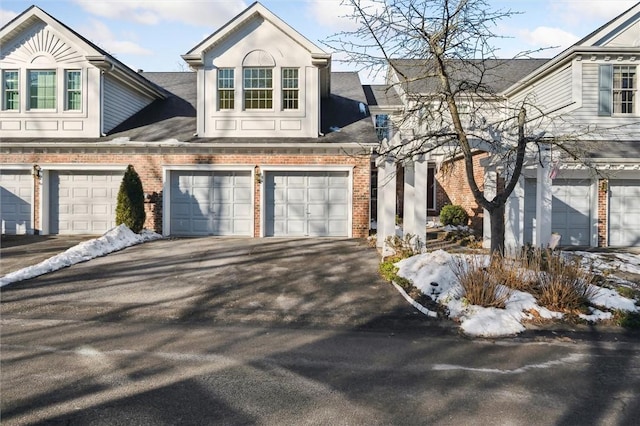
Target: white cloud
601	10
542	37
333	14
102	36
6	16
193	12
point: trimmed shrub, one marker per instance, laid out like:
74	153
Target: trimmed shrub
454	215
130	206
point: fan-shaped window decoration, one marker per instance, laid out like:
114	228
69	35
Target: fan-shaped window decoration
259	59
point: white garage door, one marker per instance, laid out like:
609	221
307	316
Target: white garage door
571	211
16	187
211	203
83	202
624	212
307	204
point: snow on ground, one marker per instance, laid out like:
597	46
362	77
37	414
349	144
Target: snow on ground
116	239
432	273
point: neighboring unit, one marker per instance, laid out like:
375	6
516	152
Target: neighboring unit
588	93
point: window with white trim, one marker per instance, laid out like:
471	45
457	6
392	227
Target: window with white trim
624	89
617	90
10	90
290	88
258	88
73	90
42	89
226	88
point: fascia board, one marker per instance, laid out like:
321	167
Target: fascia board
238	22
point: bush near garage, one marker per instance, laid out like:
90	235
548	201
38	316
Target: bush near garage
130	206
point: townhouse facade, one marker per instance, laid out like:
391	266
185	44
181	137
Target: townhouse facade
586	98
258	140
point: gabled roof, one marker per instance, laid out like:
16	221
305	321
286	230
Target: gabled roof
382	95
195	55
490	76
609	30
591	44
95	55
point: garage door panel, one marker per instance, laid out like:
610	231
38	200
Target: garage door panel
314	200
219	203
571	211
624	212
16	189
83	202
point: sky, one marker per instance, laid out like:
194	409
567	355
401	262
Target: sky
152	34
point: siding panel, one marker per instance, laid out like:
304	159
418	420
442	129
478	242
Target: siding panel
120	103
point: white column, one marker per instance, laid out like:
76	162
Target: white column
386	201
421	170
490	188
408	216
544	196
514	217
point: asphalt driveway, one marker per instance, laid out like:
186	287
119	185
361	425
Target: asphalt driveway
306	282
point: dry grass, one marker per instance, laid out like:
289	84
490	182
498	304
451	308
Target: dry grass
479	287
557	283
563	285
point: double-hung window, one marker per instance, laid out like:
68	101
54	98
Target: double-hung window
618	90
290	88
258	88
42	89
73	94
624	89
226	88
10	90
382	126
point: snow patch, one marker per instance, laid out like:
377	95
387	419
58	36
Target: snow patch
115	239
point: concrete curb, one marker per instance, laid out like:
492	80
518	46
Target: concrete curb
413	303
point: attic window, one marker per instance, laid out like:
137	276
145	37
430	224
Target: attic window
258	88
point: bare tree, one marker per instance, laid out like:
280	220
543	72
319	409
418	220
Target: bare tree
442	56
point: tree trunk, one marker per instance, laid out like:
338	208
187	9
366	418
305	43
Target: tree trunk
496	218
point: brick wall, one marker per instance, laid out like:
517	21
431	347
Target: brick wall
452	188
603	206
149	167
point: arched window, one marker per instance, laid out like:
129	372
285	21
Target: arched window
257	80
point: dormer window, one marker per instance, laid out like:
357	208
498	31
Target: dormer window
258	88
73	94
624	89
290	88
42	89
226	88
10	91
618	86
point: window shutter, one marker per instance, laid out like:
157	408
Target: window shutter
605	82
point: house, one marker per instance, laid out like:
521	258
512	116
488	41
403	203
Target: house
258	140
588	93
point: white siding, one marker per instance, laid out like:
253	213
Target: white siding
548	94
42	47
276	122
120	103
